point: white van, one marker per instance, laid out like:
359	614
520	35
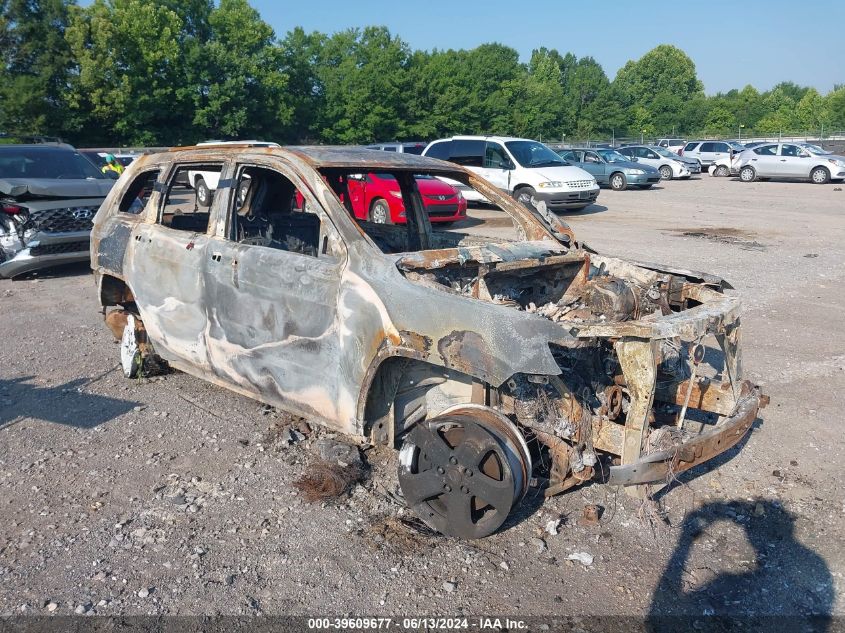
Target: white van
204	183
521	167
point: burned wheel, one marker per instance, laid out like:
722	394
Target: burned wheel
131	359
463	474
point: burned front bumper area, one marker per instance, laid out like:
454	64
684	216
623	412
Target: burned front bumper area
661	466
641	399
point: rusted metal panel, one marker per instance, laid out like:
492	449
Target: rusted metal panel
661	466
638	359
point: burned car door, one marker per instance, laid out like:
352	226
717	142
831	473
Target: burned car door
271	289
167	270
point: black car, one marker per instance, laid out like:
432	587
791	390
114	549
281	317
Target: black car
49	194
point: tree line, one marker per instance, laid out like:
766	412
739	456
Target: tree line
170	72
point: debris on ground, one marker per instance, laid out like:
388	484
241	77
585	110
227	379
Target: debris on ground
585	558
403	535
590	515
553	526
326	480
725	235
336	452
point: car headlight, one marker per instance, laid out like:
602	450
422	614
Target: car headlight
550	184
636	172
838	163
396	194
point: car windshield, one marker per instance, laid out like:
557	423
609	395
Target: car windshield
612	156
665	152
533	154
46	162
736	146
814	148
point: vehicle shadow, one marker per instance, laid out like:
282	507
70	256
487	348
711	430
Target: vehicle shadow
62	404
593	208
786	587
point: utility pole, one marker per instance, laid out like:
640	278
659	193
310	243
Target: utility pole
741	125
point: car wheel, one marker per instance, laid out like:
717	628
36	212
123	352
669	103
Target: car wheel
618	182
463	472
380	212
820	175
203	193
747	174
665	172
721	170
131	359
523	195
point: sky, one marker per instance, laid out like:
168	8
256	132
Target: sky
732	44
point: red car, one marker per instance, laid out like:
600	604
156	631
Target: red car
377	198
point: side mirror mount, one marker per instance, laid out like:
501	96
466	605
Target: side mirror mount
634	159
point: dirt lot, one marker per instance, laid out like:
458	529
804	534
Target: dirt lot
171	496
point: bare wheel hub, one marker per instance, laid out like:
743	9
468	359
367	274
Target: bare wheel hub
461	475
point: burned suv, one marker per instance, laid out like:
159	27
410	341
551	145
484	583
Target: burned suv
493	357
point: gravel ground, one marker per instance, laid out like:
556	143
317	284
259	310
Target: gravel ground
172	496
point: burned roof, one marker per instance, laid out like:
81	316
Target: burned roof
336	156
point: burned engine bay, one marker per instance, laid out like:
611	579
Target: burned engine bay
634	387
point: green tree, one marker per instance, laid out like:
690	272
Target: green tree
364	78
720	120
835	106
243	90
779	106
130	84
661	82
811	112
300	53
535	98
34	64
588	90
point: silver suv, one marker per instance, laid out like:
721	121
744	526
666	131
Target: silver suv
708	152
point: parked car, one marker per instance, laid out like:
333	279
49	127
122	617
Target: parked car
672	144
790	160
204	183
521	167
609	167
377	197
408	147
669	164
49	194
708	152
727	166
457	348
754	144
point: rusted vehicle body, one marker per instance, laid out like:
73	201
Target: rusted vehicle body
489	360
